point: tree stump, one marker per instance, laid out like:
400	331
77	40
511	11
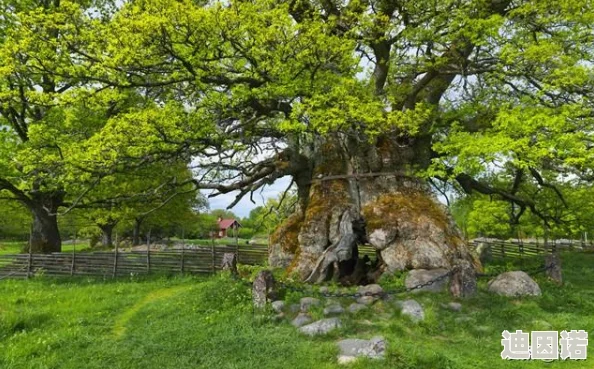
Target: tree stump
263	289
463	282
553	268
229	263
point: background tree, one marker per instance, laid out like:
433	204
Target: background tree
263	220
14	221
46	111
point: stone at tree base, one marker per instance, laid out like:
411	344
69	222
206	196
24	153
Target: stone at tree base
366	300
374	290
333	309
419	276
352	348
553	268
307	302
324	290
454	306
463	283
356	307
263	289
514	284
294	308
413	309
320	327
301	320
279	317
278	306
229	262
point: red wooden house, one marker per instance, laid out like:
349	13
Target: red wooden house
228	227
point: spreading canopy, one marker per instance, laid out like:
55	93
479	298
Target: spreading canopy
256	90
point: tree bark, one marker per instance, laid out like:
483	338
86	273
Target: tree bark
107	234
364	193
136	232
45	235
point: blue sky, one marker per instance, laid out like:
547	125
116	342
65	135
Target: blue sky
242	209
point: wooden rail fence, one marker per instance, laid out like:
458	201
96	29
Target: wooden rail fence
195	260
503	249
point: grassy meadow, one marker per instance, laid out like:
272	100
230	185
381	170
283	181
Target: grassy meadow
16	247
208	322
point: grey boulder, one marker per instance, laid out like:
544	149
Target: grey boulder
278	306
356	307
301	320
374	290
307	302
454	306
353	348
366	300
514	284
413	309
320	327
333	309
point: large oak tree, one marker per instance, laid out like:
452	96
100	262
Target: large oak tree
360	102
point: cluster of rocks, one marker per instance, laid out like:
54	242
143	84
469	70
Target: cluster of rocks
300	315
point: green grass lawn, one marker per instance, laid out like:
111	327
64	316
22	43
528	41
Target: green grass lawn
193	322
16	247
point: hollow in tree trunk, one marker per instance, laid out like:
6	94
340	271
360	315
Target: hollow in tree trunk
361	193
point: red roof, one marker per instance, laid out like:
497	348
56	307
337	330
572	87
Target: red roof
226	223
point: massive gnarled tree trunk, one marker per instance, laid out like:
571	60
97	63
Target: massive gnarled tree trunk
364	193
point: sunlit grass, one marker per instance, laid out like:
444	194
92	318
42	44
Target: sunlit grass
191	322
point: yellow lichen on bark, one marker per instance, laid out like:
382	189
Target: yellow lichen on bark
410	205
324	196
287	234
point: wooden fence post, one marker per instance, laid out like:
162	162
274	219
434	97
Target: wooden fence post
115	259
72	266
237	249
212	250
30	258
502	250
148	252
182	251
